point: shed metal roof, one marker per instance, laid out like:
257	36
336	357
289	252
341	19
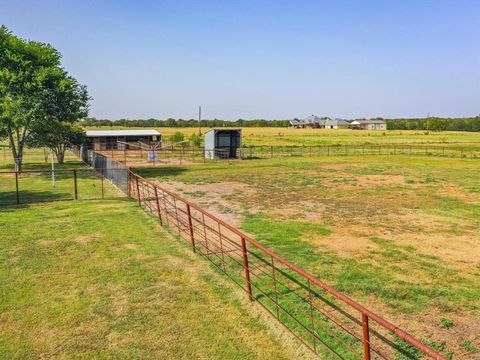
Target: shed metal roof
107	133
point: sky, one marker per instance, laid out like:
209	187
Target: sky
263	59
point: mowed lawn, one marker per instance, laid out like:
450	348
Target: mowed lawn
398	233
101	279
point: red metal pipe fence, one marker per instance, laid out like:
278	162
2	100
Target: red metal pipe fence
325	320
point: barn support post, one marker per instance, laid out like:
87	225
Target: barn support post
190	228
158	206
16	187
75	187
366	337
247	270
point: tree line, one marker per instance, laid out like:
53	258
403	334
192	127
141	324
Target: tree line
180	123
436	124
431	124
40	103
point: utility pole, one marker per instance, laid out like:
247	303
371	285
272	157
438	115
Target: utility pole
199	121
428	117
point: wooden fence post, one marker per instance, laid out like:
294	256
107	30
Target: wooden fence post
247	270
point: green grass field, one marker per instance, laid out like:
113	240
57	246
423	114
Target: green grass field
35	186
100	279
399	234
311	137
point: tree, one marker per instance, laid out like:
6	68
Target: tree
34	90
177	137
57	136
195	139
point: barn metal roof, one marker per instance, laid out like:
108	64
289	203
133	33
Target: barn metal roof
106	133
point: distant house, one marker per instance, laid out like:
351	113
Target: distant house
311	121
336	124
372	124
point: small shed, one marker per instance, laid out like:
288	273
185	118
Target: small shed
223	143
119	139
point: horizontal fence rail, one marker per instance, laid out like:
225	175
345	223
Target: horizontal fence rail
187	155
327	321
32	186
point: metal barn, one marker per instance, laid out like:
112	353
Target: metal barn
119	139
223	143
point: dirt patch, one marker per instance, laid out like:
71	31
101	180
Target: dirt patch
86	239
130	246
223	199
45	242
379	180
459	193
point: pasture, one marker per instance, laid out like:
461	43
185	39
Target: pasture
400	234
397	233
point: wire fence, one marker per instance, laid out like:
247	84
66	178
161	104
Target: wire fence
328	322
188	155
35	186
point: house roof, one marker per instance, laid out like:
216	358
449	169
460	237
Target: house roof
336	122
107	133
371	121
224	129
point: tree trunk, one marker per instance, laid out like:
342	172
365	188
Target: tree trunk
60	155
17	152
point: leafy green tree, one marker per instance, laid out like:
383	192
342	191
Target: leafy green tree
195	139
57	136
34	90
177	137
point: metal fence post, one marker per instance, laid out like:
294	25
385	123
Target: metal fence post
138	192
366	338
247	270
75	183
190	227
158	206
129	182
16	187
